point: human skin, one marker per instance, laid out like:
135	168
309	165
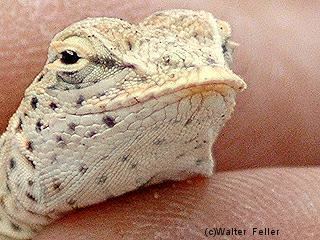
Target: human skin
267	154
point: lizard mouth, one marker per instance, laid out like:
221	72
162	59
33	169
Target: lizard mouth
171	89
205	79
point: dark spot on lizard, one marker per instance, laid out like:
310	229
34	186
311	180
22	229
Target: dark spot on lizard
12	163
39	126
222	115
106	62
15	227
158	14
3	143
19	127
199	162
8	188
30	183
29	146
211	60
159	141
2	204
96	80
134	165
91	134
80	100
143	78
40	78
109	121
18	185
188	122
198	146
83	169
31	197
102	179
60	141
31	162
53	106
101	94
145	183
53	158
129	45
125	158
192	139
166	59
34	103
72	126
181	155
136	99
128	65
56	185
224	48
72	203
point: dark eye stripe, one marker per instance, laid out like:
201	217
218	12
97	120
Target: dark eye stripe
69	57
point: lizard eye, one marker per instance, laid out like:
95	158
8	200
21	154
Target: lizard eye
69	57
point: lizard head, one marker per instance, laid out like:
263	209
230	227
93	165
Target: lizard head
103	64
120	105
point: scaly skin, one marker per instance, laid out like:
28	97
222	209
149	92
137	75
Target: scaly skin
117	106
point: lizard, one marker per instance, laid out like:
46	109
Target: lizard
117	106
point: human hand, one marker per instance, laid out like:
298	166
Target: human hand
275	124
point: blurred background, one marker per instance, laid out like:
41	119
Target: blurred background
263	154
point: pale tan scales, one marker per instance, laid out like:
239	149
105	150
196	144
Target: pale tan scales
117	106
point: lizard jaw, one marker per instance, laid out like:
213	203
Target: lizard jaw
197	80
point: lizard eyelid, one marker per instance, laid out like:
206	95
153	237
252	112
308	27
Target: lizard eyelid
81	46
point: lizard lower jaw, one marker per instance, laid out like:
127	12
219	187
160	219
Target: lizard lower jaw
175	137
154	141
